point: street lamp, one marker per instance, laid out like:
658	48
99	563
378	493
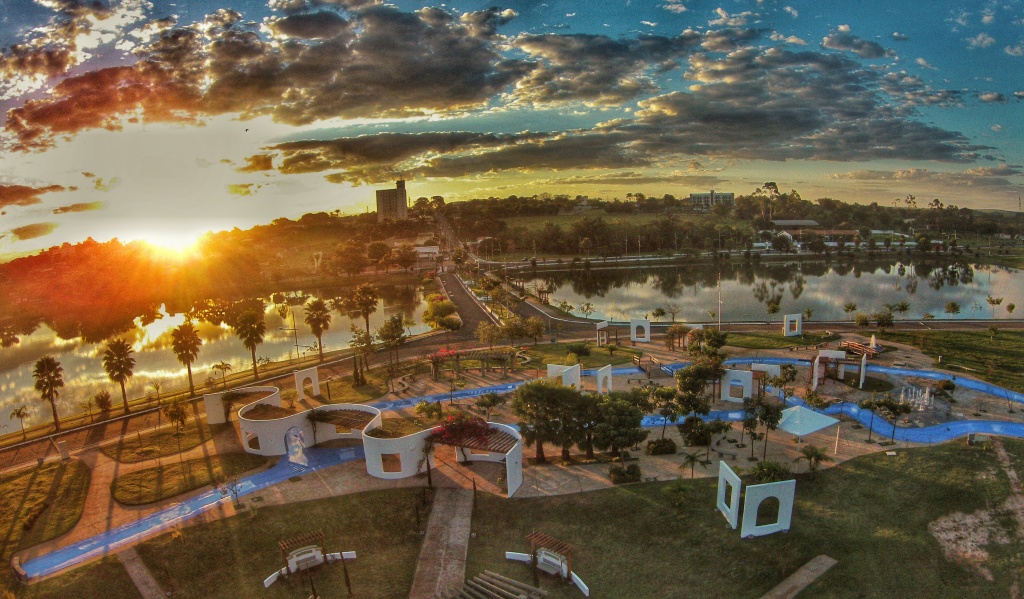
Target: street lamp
294	331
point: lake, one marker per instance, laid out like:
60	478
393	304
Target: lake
154	362
748	289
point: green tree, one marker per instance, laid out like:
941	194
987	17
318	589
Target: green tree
658	314
433	410
994	301
318	319
119	365
49	376
489	401
850	307
177	413
769	472
537	405
952	308
21	413
814	456
404	256
362	342
250	327
449	324
392	336
185	343
534	328
768	415
224	369
620	426
586	309
488	333
363	301
667	406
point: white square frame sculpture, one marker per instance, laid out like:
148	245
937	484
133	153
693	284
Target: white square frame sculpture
604	380
745	378
308	374
863	370
602	333
571	375
730	509
784	491
769	370
640	323
792	325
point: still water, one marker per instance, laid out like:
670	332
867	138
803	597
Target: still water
155	363
748	290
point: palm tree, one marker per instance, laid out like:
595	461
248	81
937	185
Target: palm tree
21	413
850	307
365	302
318	317
814	456
224	368
49	378
119	363
691	460
250	328
185	344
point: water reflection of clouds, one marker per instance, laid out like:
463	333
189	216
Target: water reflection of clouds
747	290
154	361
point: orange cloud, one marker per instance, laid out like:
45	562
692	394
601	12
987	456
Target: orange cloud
22	195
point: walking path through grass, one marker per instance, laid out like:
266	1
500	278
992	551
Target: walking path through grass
442	562
147	586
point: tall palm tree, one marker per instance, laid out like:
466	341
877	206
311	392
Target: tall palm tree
185	343
318	317
691	460
49	378
363	301
815	456
119	364
21	413
250	328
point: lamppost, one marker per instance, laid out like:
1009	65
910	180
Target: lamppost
294	331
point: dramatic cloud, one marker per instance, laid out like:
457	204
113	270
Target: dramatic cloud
635	178
79	207
397	64
597	69
316	25
847	42
32	231
22	195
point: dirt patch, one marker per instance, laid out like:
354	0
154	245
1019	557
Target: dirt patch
964	536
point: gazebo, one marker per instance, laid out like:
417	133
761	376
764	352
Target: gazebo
800	421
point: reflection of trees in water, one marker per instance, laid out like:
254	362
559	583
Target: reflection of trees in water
766	281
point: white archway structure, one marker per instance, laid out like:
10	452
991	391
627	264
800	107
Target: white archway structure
604	380
743	379
640	330
309	374
784	491
571	375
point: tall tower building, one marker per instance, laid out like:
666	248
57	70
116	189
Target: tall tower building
393	204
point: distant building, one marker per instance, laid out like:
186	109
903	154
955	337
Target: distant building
704	202
393	204
795	224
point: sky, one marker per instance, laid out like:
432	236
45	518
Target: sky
160	120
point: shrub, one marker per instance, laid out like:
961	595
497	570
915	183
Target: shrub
661	447
102	400
629	474
947	385
769	471
580	349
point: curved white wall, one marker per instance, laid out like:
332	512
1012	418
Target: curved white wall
409	449
271	433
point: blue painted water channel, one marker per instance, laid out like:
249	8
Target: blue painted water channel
319	458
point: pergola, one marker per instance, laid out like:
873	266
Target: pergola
539	540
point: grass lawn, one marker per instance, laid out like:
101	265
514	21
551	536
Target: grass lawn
103	578
774	340
51	497
395	428
158	442
174	478
871	383
230	558
871	514
554	353
974	352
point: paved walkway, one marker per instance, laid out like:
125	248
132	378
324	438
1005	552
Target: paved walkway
442	563
799	580
144	581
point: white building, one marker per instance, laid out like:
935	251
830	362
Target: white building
393	204
704	202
